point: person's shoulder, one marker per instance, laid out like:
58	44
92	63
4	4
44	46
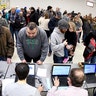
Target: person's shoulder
9	86
74	33
56	31
84	92
52	19
32	88
2	19
5	29
79	90
41	30
22	31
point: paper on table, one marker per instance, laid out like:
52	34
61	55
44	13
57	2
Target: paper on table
42	72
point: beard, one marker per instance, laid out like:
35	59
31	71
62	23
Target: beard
63	31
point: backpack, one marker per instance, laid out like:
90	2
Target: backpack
89	50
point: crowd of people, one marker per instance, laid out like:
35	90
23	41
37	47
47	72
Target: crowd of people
42	36
39	33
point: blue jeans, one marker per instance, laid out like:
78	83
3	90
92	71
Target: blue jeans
57	59
13	31
3	58
65	52
50	51
94	94
91	60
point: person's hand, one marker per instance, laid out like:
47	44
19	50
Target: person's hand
65	42
56	81
39	62
23	61
40	88
9	60
69	81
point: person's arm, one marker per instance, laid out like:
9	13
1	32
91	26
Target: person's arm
74	41
5	23
20	46
53	91
40	88
55	44
51	25
44	48
80	30
10	46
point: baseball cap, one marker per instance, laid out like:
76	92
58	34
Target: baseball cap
62	24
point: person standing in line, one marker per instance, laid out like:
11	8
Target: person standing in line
53	22
57	41
71	38
32	43
6	44
11	20
89	52
78	27
21	88
43	23
3	21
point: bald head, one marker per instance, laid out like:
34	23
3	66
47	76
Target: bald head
77	77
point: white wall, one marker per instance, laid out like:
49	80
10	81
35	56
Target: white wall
69	5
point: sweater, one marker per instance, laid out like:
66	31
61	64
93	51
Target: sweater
57	44
32	47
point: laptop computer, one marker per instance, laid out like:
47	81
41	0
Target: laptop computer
31	75
90	70
62	72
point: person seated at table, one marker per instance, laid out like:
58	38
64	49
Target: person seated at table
75	81
21	88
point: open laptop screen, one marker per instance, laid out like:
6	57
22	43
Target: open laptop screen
89	68
61	69
31	69
31	75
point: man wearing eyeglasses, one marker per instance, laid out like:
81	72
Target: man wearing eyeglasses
32	44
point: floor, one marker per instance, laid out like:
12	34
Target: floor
78	57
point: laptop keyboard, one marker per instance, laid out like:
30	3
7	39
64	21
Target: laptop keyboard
91	79
31	80
63	81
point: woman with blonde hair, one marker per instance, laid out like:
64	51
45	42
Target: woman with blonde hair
71	38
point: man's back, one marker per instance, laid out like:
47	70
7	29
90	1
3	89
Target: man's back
20	89
70	91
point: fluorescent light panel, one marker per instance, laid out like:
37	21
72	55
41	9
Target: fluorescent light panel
91	4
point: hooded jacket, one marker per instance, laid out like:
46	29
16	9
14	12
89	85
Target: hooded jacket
6	43
57	44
